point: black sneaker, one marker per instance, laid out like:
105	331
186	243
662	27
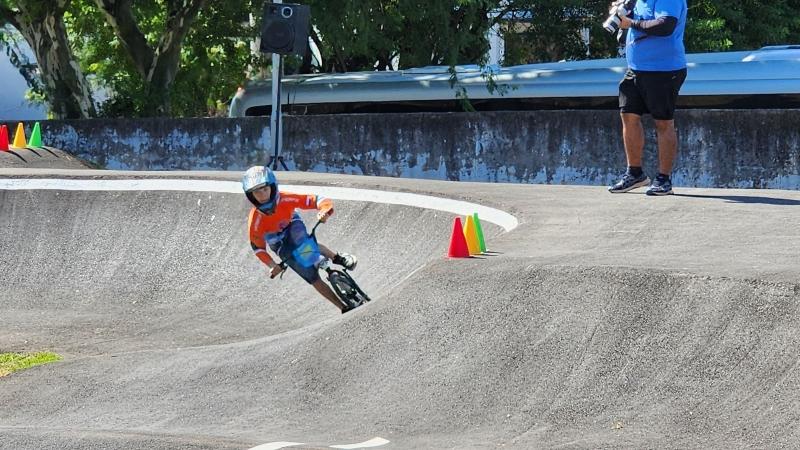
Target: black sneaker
629	182
660	186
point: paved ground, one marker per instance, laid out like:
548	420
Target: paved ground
40	158
602	321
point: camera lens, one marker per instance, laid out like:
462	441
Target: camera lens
286	12
611	24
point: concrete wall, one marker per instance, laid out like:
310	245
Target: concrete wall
718	148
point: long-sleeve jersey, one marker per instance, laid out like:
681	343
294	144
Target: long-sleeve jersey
265	229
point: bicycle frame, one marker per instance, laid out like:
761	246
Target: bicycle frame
325	264
313	236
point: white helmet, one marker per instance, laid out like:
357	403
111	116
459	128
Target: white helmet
257	177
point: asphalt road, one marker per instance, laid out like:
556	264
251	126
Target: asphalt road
601	321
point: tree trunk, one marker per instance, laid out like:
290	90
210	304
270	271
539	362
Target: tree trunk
119	15
160	66
65	86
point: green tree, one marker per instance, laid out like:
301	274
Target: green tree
186	57
355	35
741	24
192	78
152	35
217	59
14	45
62	81
143	40
548	31
551	31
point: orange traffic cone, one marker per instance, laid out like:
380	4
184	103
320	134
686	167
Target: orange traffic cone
471	235
3	138
458	243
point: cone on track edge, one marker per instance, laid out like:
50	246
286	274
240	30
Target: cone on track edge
479	229
3	138
471	235
19	138
36	136
458	243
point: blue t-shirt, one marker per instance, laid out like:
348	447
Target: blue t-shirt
657	53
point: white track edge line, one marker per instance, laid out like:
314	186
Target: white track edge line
276	445
375	442
496	216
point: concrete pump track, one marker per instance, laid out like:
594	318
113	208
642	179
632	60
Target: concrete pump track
599	321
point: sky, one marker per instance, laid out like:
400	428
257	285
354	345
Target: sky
12	94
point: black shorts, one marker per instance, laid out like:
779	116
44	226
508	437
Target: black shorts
650	92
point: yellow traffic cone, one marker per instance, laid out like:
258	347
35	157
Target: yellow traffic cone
19	138
472	237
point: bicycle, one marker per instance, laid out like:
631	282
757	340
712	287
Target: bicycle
343	284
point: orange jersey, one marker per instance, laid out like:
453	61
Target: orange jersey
266	229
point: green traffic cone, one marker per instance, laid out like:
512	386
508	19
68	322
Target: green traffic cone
480	232
36	136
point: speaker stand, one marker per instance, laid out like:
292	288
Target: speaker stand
274	160
276	124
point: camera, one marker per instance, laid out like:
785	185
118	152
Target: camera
619	8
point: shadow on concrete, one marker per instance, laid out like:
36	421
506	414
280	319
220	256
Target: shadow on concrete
16	154
747	199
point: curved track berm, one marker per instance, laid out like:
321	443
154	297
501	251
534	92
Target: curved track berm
174	336
41	158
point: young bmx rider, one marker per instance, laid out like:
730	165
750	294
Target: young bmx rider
275	222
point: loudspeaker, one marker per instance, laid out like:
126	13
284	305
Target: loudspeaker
285	28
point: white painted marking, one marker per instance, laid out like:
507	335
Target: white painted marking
376	442
495	216
276	445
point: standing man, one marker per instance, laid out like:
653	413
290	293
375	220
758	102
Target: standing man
656	70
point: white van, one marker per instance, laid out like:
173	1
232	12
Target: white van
765	78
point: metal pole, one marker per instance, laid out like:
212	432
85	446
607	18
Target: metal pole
275	124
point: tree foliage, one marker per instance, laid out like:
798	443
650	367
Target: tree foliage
551	31
741	24
213	58
374	34
13	46
713	25
61	80
150	34
186	57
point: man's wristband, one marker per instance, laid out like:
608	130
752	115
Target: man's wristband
663	26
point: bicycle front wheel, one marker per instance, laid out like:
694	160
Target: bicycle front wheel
347	290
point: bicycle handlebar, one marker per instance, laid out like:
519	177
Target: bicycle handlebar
314	229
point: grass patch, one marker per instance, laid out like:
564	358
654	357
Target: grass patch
13	362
